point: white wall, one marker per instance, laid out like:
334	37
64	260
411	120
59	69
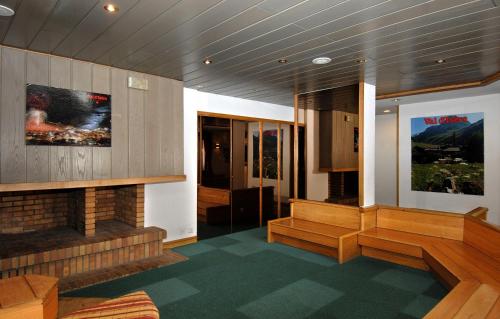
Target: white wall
368	144
490	106
386	175
173	206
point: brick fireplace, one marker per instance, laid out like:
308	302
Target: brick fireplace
63	232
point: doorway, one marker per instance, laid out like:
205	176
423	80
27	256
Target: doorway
245	172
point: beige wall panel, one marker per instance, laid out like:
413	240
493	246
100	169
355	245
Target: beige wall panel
60	156
178	126
136	130
101	156
81	79
167	139
13	154
119	124
153	127
37	157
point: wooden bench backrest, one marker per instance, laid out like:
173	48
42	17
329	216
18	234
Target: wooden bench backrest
326	213
482	236
213	195
424	222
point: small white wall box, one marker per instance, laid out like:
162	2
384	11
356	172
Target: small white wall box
137	83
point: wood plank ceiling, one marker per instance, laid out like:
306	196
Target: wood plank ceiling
399	39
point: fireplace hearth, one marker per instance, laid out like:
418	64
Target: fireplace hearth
71	231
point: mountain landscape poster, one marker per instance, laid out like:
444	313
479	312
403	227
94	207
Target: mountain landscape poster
447	154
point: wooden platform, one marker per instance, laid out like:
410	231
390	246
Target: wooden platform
446	244
463	251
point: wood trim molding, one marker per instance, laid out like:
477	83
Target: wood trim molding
442	88
296	146
261	161
278	180
91	183
244	118
180	242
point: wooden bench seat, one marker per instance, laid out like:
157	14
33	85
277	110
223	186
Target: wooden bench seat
471	271
323	228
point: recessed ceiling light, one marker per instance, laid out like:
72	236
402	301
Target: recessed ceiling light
207	61
111	8
322	60
440	61
396	100
282	61
387	111
6	11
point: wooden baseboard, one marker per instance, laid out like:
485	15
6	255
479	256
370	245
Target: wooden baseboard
180	242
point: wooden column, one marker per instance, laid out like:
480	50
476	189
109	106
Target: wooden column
278	185
261	138
295	146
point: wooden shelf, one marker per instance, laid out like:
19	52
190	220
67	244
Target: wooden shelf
91	183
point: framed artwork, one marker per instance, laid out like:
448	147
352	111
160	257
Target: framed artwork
447	154
269	154
65	117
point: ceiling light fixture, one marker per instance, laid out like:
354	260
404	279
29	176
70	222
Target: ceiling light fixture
361	61
440	61
282	61
387	111
111	8
396	100
6	11
207	61
322	60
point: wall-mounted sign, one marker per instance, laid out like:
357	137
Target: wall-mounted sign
57	116
448	154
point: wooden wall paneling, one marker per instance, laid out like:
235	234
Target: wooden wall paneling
37	157
81	79
119	124
238	152
101	156
13	149
60	156
167	138
177	126
136	130
152	127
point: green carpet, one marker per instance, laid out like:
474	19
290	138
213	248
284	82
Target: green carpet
241	276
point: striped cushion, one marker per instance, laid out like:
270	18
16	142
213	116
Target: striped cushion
136	305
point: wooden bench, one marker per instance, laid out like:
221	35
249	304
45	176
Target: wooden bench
212	198
324	228
463	251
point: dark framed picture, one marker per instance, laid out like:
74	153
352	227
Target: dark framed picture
65	117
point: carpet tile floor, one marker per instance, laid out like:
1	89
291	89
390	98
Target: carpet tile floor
241	276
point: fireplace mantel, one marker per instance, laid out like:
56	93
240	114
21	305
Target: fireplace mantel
91	183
